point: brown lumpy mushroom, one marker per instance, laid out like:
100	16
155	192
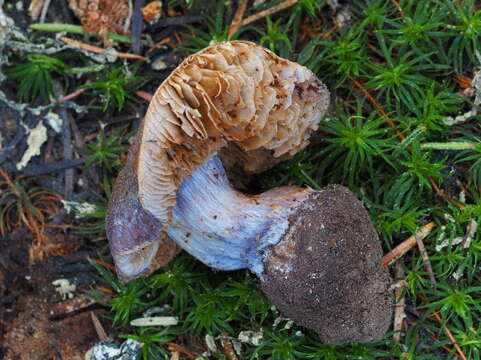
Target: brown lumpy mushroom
241	99
336	284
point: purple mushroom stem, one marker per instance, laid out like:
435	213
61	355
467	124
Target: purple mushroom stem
316	252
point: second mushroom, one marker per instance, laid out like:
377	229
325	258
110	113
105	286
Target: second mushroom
315	252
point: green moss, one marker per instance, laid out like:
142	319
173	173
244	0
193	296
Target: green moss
407	62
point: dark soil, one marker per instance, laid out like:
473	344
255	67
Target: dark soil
36	322
334	283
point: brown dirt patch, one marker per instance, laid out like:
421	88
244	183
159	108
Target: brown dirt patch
35	321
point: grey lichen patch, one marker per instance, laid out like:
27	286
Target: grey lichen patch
8	30
11	37
79	209
23	108
54	121
129	350
251	337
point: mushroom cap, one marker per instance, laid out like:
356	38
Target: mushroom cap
229	92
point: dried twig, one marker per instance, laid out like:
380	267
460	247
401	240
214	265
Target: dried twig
399	8
406	245
67	307
67	152
45	7
229	350
102	263
173	347
175	355
77	135
98	50
128	19
35	170
373	101
105	290
426	262
448	332
48	154
7	150
72	95
236	21
262	14
470	233
158	44
99	329
431	335
444	195
466	243
35	8
144	95
399	313
450	336
137	25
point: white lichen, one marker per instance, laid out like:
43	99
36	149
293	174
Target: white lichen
447	241
54	121
159	64
458	274
64	288
79	209
155	310
251	337
450	121
36	137
210	342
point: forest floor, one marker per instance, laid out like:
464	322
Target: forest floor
402	132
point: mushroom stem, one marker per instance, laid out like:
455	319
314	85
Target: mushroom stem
316	252
226	229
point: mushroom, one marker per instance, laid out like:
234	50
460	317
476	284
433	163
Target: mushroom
316	253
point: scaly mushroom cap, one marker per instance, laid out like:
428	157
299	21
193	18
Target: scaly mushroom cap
229	92
233	93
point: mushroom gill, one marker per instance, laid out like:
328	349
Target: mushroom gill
229	92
